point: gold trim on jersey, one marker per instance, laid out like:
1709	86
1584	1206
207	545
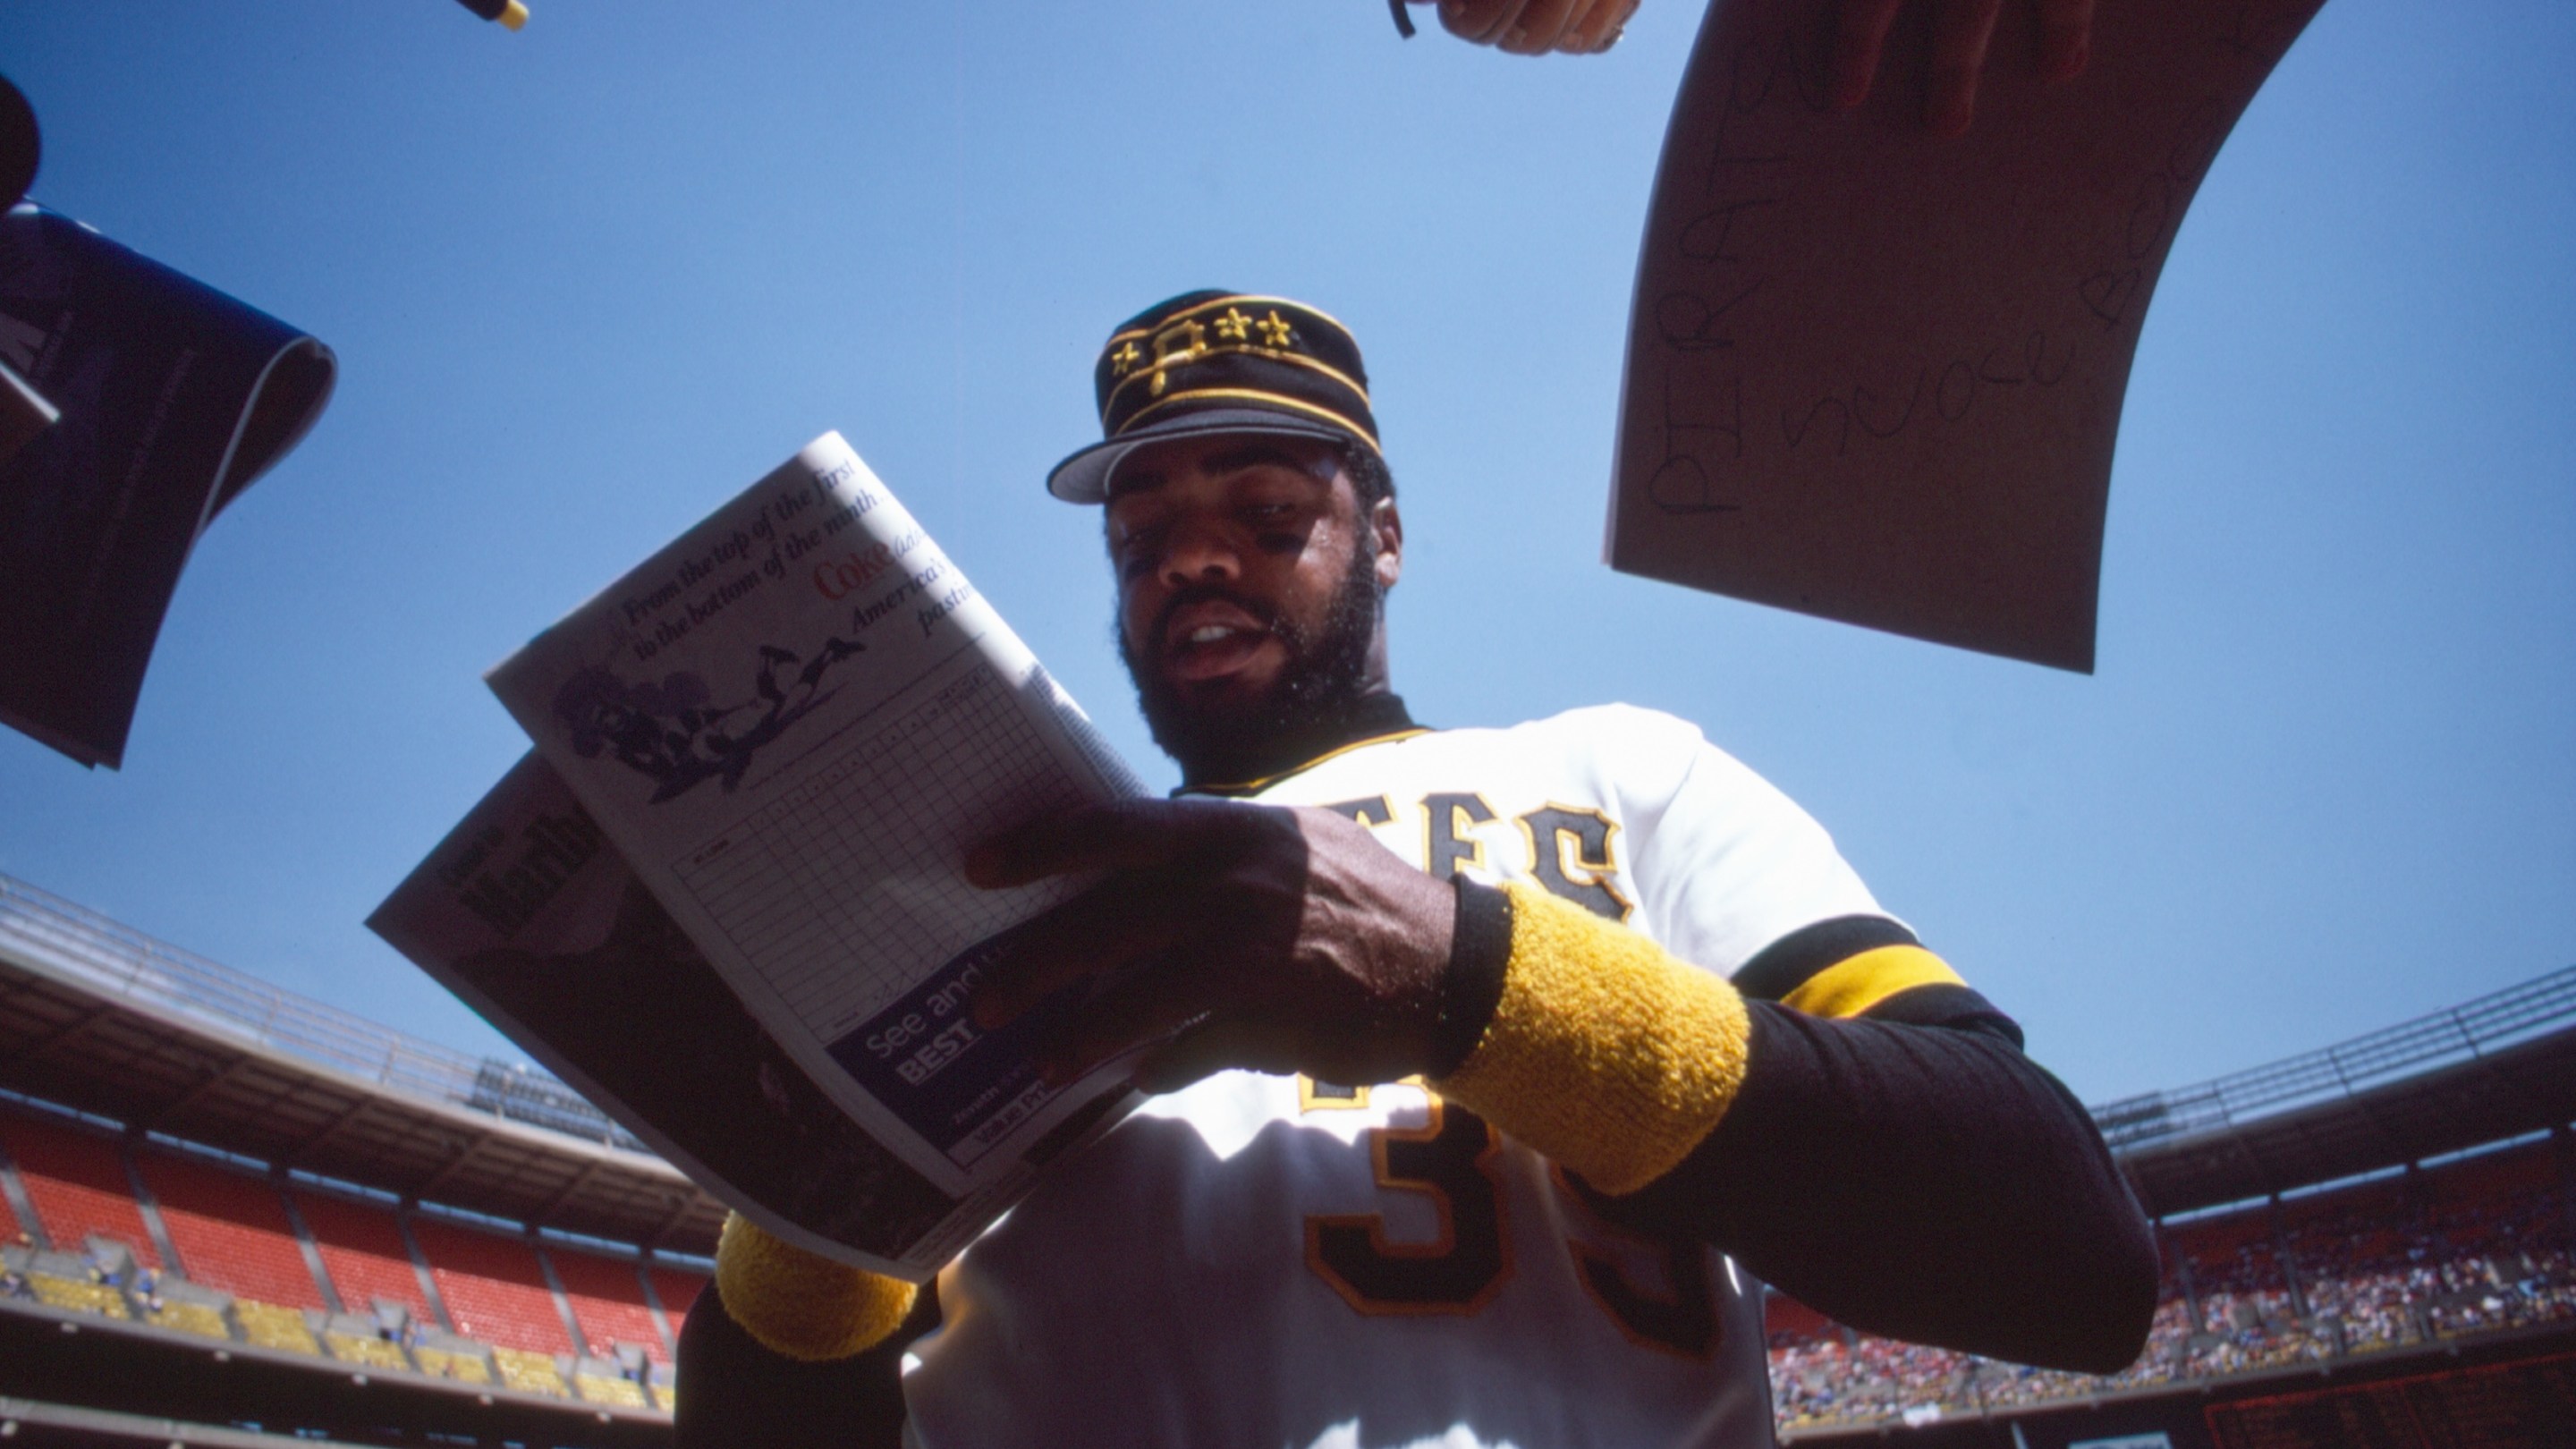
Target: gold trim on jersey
1856	983
1446	1242
1693	1304
1315	1096
1255	787
1601	875
1471	847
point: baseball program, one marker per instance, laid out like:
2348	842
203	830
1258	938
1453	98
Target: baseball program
760	760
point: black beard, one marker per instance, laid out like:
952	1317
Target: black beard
1307	709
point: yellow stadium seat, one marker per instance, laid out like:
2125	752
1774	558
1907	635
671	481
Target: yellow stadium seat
195	1318
463	1367
71	1293
268	1326
622	1393
373	1352
529	1373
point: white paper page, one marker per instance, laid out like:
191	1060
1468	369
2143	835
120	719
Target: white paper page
794	721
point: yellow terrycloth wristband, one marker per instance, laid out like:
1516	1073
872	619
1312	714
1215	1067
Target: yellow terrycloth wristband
806	1307
1605	1053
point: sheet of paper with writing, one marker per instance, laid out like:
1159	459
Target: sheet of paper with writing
1874	374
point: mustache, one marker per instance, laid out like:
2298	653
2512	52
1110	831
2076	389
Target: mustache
1210	594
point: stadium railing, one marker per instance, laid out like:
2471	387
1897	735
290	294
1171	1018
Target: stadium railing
121	963
2438	1039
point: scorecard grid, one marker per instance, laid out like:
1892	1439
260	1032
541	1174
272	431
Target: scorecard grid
835	955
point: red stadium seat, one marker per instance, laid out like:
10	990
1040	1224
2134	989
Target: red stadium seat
362	1249
78	1186
2503	1176
677	1288
231	1232
1785	1320
493	1286
608	1302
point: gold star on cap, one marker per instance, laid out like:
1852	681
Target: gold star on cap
1212	361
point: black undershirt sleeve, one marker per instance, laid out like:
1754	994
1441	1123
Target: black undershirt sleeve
1922	1182
1909	1172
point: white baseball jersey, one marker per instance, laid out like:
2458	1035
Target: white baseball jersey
1263	1261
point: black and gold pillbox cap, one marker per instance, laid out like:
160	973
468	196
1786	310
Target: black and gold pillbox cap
1219	362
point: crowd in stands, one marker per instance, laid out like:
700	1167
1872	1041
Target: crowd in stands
101	1227
2424	1257
95	1225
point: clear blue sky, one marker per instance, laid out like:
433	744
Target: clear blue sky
588	280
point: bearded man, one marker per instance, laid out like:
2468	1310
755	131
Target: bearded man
1491	1072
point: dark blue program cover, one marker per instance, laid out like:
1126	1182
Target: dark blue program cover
173	397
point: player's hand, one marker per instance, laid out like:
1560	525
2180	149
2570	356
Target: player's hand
1535	27
1961	31
1270	938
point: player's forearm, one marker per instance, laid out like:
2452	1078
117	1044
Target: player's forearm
1924	1181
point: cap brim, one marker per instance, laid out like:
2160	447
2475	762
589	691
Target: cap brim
1084	477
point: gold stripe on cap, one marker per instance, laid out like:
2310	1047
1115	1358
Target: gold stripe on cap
1147	368
1239	297
1266	399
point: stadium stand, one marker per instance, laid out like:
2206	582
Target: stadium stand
237	1231
229	1206
607	1298
495	1289
2414	1201
267	1326
78	1187
230	1232
452	1356
677	1290
2444	1254
363	1253
184	1307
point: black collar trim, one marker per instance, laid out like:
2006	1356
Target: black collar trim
1371	721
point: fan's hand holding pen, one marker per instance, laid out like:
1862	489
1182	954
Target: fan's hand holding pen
1962	31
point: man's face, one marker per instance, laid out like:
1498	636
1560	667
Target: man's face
1248	587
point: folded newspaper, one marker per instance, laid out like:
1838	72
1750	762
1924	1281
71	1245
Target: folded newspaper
725	896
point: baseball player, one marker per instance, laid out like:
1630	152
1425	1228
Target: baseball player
1493	1069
